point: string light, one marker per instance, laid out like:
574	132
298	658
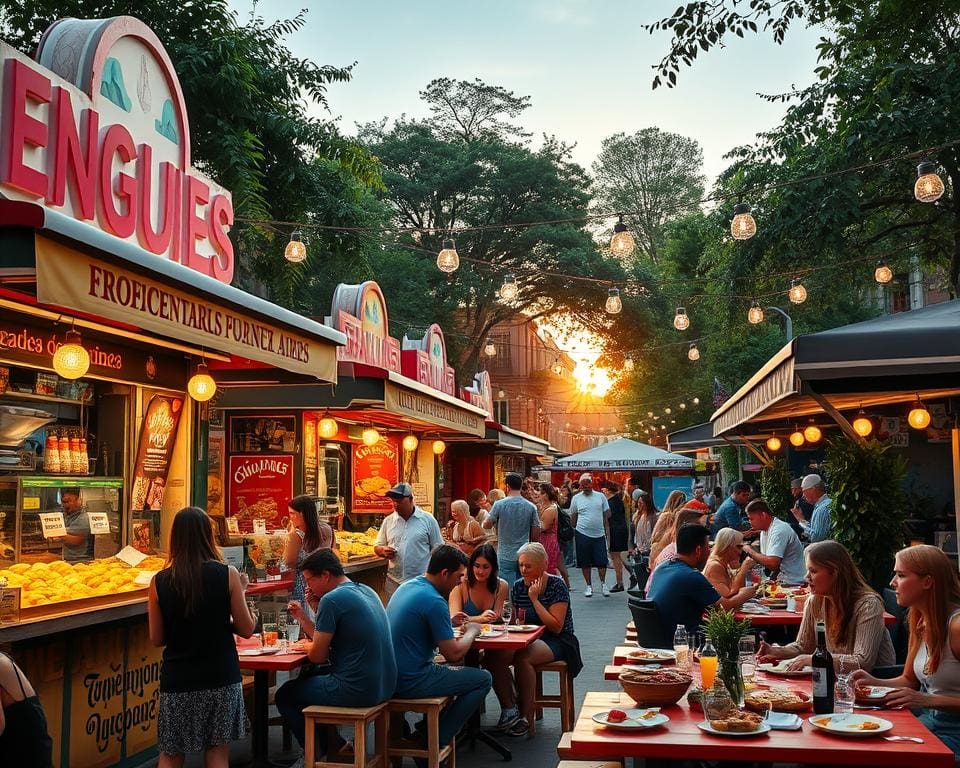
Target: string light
439	447
692	354
696	401
683	406
796	438
755	313
509	290
667	410
370	436
410	442
919	416
201	385
773	443
71	360
501	394
328	428
798	294
928	187
743	226
812	433
862	425
882	274
557	367
681	321
613	305
622	243
628	364
448	260
296	251
490	349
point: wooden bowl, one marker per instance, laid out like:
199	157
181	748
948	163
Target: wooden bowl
653	694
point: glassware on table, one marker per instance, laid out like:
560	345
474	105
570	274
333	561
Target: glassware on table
271	635
844	691
748	657
521	615
681	647
709	662
282	622
252	607
506	613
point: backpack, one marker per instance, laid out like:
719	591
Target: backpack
564	528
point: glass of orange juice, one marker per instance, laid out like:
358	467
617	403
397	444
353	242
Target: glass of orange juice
271	636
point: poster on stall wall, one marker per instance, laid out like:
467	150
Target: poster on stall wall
158	433
259	487
215	441
376	470
310	459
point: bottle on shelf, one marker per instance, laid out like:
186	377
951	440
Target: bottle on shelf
63	443
51	453
824	675
681	648
76	459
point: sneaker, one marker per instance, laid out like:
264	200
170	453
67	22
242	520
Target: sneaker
519	728
605	589
588	591
507	720
617	588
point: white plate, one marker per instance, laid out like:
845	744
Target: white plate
632	725
658	655
874	691
784	721
266	651
705	726
523	627
782	671
844	725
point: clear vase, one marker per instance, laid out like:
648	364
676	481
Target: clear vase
729	671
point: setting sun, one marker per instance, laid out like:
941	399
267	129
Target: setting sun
579	343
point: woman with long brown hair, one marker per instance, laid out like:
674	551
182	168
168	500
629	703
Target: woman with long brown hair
663	529
685	516
547	500
851	610
926	583
305	535
194	607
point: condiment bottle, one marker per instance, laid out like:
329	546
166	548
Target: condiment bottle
63	443
51	453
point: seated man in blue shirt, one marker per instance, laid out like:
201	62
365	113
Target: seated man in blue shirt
681	592
352	635
419	622
730	514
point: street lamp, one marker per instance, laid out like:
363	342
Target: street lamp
787	322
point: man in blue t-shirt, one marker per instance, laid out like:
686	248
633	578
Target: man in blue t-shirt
730	514
420	621
351	635
681	592
517	523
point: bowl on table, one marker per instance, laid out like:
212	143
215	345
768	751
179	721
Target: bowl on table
654	688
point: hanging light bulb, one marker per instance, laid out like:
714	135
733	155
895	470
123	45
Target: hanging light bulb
370	436
683	406
71	360
490	349
755	313
919	416
798	294
796	438
862	425
628	364
613	305
296	251
448	259
773	443
692	354
696	401
882	274
328	428
622	243
681	321
650	414
410	442
439	447
557	367
509	290
501	394
743	226
928	187
201	385
667	410
812	433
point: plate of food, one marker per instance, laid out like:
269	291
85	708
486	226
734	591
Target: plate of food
522	627
773	602
267	650
735	723
652	655
777	700
782	669
631	719
873	692
851	725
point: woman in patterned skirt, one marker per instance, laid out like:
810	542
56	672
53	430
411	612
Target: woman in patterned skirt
195	606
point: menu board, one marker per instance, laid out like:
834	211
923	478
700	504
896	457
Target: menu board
310	454
259	487
158	433
376	470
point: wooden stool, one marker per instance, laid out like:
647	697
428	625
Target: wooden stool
359	718
562	701
431	709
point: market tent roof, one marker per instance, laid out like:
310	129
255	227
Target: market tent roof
885	360
623	454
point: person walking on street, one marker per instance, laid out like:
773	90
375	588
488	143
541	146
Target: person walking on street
406	538
619	531
517	523
590	517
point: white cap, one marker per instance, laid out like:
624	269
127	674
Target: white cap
810	481
585	476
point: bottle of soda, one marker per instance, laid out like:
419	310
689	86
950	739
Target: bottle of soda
681	648
824	675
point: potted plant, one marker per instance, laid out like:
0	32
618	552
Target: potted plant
725	632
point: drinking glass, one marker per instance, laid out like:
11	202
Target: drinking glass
748	657
271	635
506	613
521	615
843	691
282	631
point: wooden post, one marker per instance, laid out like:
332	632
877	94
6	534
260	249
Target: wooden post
833	413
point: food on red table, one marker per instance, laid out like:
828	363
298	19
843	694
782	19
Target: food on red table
646	654
780	700
866	725
616	716
737	721
695	699
655	676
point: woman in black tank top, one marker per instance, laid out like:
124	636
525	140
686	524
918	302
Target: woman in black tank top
24	741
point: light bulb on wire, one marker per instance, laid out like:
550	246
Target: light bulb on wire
681	321
882	274
327	427
410	442
692	354
296	251
622	243
490	349
448	260
370	436
614	305
755	313
773	443
812	433
696	401
71	360
928	187
557	367
919	416
796	438
628	363
862	425
509	290
501	394
743	226
201	385
797	293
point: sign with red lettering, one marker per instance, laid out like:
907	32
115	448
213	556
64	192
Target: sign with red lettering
105	139
376	470
259	487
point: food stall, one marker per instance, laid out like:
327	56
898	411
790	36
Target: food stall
114	289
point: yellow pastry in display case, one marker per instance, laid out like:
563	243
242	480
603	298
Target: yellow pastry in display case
353	545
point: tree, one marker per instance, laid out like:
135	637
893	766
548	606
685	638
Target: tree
471	111
652	176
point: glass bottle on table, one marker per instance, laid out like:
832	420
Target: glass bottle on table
708	664
257	635
824	675
681	648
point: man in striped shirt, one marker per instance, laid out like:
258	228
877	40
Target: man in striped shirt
817	527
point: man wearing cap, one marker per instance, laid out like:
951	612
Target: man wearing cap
817	527
406	538
517	523
590	517
805	507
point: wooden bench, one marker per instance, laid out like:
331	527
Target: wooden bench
357	717
430	708
562	701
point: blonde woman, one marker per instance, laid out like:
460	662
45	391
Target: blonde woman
724	569
926	582
493	496
663	529
465	532
683	517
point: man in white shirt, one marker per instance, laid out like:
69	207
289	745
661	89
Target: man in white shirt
590	516
780	549
406	538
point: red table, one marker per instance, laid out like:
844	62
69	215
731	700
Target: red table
783	617
620	655
261	666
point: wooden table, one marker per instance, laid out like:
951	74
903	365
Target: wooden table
262	666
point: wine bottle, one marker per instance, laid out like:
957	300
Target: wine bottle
824	675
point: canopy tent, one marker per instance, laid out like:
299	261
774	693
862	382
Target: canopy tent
886	360
622	455
700	437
